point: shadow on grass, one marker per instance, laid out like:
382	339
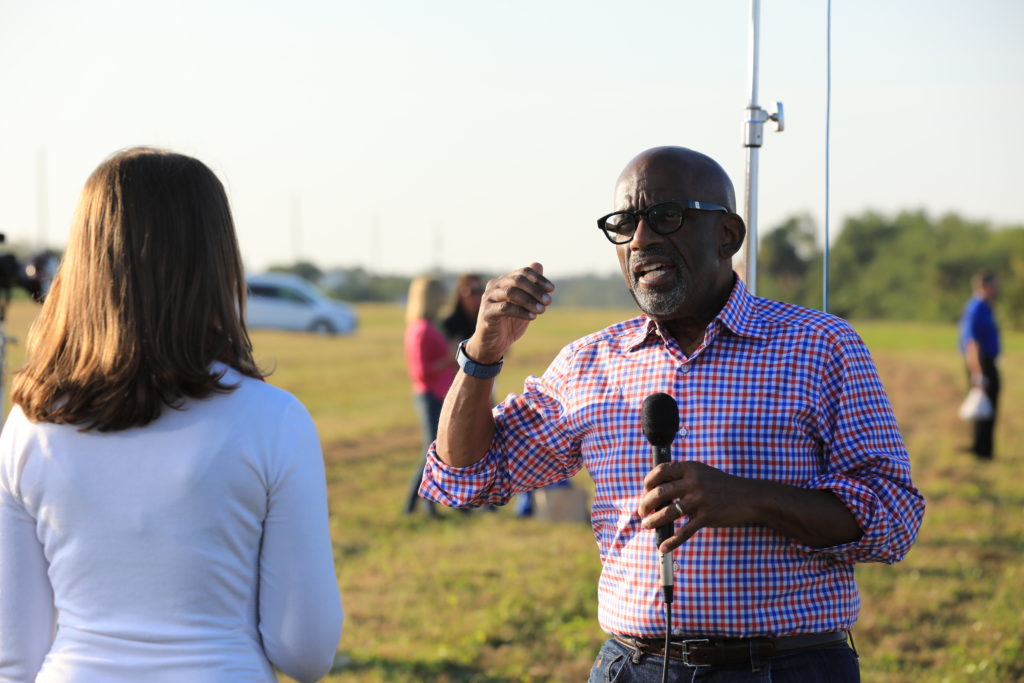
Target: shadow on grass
439	671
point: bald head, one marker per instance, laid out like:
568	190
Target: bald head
674	173
681	276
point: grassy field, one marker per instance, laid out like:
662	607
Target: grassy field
488	597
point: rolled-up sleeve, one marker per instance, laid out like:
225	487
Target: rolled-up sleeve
866	464
534	445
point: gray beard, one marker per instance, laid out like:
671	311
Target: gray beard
659	303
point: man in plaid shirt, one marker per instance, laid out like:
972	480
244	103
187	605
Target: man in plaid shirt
787	469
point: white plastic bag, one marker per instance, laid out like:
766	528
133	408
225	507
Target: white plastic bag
976	406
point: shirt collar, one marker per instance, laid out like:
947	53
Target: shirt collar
739	315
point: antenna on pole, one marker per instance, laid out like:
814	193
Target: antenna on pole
828	146
753	134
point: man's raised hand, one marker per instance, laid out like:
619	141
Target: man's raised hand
510	303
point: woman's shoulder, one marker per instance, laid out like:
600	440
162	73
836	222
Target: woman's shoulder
257	397
423	331
16	417
14	425
16	429
421	326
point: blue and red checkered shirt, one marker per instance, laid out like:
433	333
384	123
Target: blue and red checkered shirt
774	392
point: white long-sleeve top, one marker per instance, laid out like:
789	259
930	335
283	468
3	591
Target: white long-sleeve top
195	548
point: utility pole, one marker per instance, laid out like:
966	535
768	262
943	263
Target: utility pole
296	228
42	198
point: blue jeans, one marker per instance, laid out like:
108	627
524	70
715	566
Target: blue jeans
428	408
830	664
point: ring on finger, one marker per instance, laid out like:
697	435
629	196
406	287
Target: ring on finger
678	507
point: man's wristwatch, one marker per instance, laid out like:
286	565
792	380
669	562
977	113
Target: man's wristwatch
474	369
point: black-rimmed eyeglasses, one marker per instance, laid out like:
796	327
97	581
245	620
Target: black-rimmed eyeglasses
664	218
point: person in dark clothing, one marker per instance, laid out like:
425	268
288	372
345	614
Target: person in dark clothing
979	344
461	324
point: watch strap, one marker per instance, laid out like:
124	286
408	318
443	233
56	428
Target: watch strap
474	369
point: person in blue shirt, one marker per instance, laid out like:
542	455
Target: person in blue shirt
979	344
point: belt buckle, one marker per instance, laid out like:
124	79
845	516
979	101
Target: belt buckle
686	651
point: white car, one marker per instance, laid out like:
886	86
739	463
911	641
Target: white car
288	302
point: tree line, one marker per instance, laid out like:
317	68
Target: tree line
907	266
904	267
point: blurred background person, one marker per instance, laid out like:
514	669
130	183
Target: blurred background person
461	322
459	325
430	360
163	511
979	344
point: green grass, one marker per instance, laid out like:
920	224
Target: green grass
488	597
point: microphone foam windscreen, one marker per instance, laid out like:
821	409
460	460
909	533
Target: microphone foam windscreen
660	419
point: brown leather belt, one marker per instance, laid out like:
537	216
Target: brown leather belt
712	651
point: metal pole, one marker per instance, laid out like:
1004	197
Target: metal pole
753	135
828	145
754	131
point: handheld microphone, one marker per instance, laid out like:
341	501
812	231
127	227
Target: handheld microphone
660	424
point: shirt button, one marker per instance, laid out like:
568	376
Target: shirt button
677	631
683	431
676	566
685	369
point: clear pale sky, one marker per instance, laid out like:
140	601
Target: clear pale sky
484	134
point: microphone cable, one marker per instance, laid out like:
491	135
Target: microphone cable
667	593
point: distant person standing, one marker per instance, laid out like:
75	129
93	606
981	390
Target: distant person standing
461	323
428	357
979	344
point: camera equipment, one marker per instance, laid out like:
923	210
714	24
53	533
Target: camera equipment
34	276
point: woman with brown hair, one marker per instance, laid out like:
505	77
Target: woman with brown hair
163	511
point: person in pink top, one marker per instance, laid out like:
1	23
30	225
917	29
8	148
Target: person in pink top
428	357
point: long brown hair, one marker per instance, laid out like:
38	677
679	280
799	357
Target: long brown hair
150	292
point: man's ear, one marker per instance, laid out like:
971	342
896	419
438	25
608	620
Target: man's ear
732	233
